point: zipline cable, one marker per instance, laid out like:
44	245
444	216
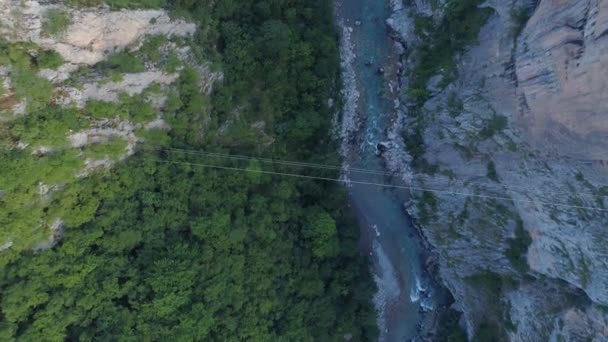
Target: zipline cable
412	188
356	170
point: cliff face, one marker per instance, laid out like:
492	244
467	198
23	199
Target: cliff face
561	65
523	129
561	60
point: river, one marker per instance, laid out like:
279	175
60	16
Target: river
388	236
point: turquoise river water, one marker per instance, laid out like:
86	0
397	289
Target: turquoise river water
404	288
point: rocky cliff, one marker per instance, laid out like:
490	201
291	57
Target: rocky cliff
561	64
514	147
115	71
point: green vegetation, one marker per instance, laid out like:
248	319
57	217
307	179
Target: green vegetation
585	271
118	4
159	249
518	247
151	47
492	171
49	60
519	18
124	62
488	331
492	285
16	54
449	330
496	124
47	127
113	149
414	142
26	84
136	4
428	207
455	105
133	108
26	59
115	76
459	28
56	21
102	109
172	63
581	178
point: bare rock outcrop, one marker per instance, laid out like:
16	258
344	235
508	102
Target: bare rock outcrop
560	64
545	169
561	70
92	33
131	84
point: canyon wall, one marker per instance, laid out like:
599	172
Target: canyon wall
516	148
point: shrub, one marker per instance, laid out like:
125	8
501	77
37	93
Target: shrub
172	63
113	148
152	46
117	4
47	127
37	90
449	330
459	28
16	54
124	62
496	124
487	331
85	3
519	18
49	60
102	109
155	137
518	247
455	105
414	142
115	76
428	207
56	22
140	110
492	282
492	171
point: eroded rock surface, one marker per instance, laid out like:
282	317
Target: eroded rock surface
561	70
549	85
131	84
92	34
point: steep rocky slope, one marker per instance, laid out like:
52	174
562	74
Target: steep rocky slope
81	87
561	64
522	131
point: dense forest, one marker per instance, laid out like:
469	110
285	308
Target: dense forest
160	248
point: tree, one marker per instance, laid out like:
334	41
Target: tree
320	228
